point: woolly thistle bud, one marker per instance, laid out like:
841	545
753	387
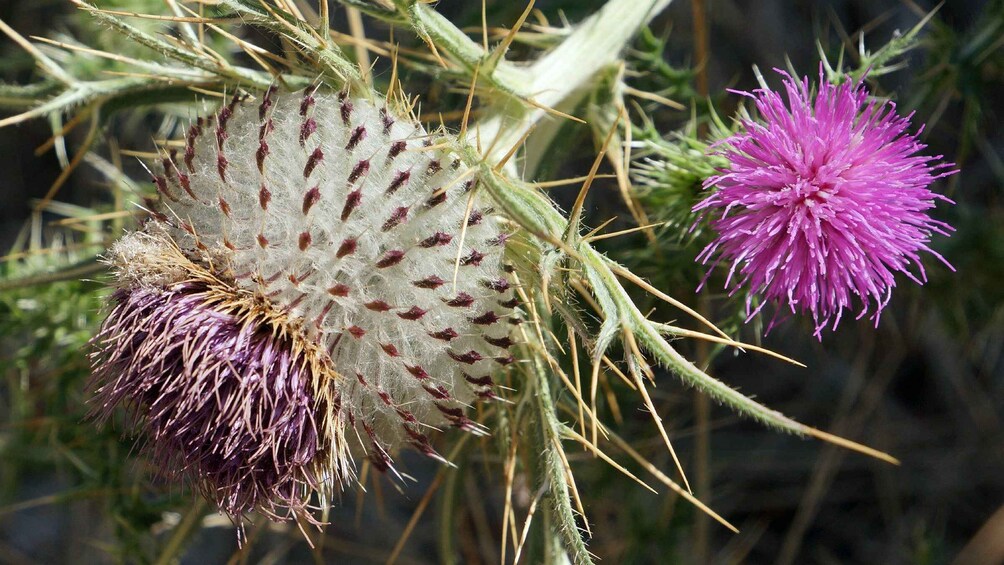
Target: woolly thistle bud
319	280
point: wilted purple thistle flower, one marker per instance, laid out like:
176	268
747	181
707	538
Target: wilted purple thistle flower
825	199
226	402
320	280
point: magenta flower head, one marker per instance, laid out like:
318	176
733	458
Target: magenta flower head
825	199
320	282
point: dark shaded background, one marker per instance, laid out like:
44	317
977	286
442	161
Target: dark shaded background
926	386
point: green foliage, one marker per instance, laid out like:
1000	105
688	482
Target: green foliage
655	73
669	174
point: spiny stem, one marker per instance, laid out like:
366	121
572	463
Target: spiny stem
554	470
504	77
562	75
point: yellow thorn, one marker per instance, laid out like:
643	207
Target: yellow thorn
592	447
620	374
737	344
435	52
552	111
594	383
566	182
570	481
619	442
206	92
484	36
592	238
573	218
43	61
393	76
654	98
578	377
470	100
85	146
526	525
848	444
630	341
615	408
595	230
463	236
419	510
67	127
324	16
622	272
512	150
184	19
88	50
508	514
96	217
621	163
499	53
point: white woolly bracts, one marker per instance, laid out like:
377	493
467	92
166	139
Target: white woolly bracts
368	248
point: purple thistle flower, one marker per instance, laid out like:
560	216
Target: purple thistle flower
226	404
826	199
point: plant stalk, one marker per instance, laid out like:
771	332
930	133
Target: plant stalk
560	78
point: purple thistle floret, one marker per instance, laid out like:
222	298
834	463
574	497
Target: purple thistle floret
825	199
224	404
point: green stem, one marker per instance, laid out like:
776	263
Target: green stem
88	267
189	523
563	76
447	516
432	26
553	471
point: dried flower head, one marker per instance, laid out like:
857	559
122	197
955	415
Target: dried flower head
825	199
223	392
320	280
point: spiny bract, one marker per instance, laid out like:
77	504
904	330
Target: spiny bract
336	238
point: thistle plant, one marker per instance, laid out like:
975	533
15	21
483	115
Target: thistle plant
322	279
